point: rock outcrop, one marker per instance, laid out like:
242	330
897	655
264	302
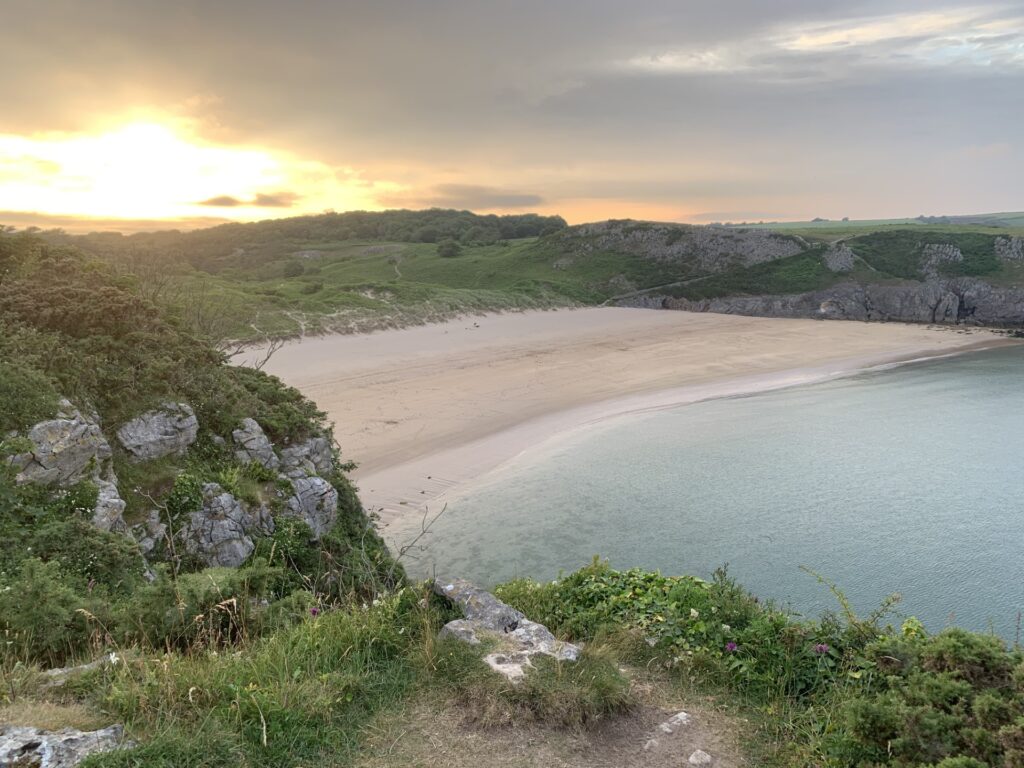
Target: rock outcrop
712	249
310	457
168	430
65	451
962	300
66	748
221	532
517	638
315	502
251	444
1010	248
840	258
935	255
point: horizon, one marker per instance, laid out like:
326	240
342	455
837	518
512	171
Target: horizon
695	114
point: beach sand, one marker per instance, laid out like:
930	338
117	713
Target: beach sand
424	410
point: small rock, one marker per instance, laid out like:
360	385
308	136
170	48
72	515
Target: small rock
650	744
700	757
168	430
315	502
310	457
253	445
519	638
221	532
65	748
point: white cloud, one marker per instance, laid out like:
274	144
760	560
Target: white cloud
977	36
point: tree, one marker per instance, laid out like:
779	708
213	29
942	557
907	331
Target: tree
448	249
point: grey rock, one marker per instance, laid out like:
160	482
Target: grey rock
220	533
709	248
310	457
1010	248
955	301
480	606
518	638
700	757
840	258
251	444
65	748
168	430
315	502
150	533
65	450
460	629
934	255
109	510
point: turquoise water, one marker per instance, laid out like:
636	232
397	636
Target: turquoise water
907	480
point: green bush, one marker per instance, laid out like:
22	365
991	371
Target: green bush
26	396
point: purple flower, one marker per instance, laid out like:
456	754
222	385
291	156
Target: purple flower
731	647
314	611
821	649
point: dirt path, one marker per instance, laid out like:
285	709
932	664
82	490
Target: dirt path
433	734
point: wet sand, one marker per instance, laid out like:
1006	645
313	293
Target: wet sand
423	410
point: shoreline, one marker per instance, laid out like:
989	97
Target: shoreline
414	487
424	410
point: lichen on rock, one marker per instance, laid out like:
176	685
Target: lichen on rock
165	431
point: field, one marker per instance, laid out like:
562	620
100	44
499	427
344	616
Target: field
360	272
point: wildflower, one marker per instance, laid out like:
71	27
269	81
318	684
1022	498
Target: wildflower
694	613
731	647
821	649
314	611
726	628
114	660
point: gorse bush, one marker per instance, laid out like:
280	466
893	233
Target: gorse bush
838	692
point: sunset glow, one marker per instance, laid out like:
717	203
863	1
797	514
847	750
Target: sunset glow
155	171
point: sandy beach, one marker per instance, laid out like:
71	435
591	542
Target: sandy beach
423	410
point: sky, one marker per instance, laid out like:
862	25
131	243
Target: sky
144	114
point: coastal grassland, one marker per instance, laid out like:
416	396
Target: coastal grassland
361	272
837	691
325	684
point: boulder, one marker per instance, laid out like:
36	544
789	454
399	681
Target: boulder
840	258
251	444
220	533
1010	248
65	748
310	457
150	533
935	255
109	510
64	450
168	430
517	638
67	450
314	501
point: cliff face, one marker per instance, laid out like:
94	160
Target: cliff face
956	301
710	249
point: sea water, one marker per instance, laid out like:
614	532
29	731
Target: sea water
907	480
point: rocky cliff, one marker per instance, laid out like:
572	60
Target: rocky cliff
965	301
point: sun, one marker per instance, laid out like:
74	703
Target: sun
162	170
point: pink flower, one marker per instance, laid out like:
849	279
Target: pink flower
314	611
821	649
731	647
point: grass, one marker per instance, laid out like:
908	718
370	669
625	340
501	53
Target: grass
365	284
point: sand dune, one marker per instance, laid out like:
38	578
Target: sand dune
423	409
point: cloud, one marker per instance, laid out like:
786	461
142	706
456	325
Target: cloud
222	201
276	200
468	196
849	101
